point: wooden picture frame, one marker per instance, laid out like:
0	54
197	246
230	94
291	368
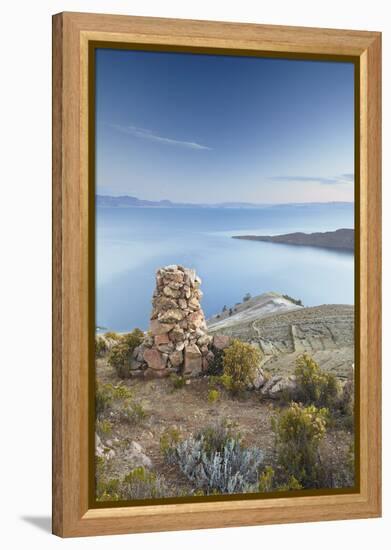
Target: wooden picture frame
72	225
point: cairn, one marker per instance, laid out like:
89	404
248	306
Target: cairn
178	340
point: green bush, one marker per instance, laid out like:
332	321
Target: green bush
213	396
103	427
216	436
268	482
108	396
112	336
168	441
247	297
178	382
120	356
240	362
315	386
139	483
103	398
134	413
293	300
100	346
299	431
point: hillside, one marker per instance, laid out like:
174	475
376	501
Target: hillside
341	239
283	330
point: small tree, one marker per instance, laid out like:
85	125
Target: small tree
121	353
240	362
247	297
299	431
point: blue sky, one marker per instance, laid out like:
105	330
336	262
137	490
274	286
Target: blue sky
203	128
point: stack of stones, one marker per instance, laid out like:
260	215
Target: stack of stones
178	340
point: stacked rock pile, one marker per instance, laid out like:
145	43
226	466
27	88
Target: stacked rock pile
178	340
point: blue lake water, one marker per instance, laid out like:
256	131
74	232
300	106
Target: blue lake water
131	243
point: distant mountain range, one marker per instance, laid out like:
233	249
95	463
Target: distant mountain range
126	201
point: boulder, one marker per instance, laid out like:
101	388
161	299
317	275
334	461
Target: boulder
193	360
154	359
221	341
279	386
136	457
260	379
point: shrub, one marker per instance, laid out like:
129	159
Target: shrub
217	462
108	396
112	336
178	382
133	413
216	437
298	432
103	427
247	297
315	386
103	398
100	346
120	356
107	490
213	396
215	367
169	440
293	300
268	482
233	470
141	484
240	362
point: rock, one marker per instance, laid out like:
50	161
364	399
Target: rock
221	341
161	339
207	360
182	303
176	358
196	320
180	346
189	275
193	360
170	292
135	364
136	457
204	340
277	386
154	359
160	328
194	304
260	379
171	316
177	334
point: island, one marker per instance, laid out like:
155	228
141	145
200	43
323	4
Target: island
341	239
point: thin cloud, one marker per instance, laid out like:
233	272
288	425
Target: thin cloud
152	136
343	178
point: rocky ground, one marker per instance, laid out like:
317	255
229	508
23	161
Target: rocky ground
187	409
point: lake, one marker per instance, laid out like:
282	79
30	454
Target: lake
131	243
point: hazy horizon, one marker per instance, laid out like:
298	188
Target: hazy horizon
178	127
201	203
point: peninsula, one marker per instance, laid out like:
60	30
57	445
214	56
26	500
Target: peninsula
341	239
